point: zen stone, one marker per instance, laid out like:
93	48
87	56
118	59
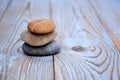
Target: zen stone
41	26
37	40
49	49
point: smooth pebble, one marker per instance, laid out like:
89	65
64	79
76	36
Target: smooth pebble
37	40
41	26
49	49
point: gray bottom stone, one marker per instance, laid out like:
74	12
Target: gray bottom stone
48	49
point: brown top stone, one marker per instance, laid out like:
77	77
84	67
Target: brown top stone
41	26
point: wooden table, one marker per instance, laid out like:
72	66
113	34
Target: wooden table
88	31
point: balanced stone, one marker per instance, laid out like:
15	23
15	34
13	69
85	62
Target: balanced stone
41	26
37	40
48	49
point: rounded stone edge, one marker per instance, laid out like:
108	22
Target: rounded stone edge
35	21
37	44
40	55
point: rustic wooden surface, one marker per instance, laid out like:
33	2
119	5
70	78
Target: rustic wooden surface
91	25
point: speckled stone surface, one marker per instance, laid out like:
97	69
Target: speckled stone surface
48	49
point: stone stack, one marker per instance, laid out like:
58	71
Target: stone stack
39	38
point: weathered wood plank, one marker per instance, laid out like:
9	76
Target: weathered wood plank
88	52
14	65
109	17
88	31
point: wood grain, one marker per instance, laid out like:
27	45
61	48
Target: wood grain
14	65
88	31
83	26
111	19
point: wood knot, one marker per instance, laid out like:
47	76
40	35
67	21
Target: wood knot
78	48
